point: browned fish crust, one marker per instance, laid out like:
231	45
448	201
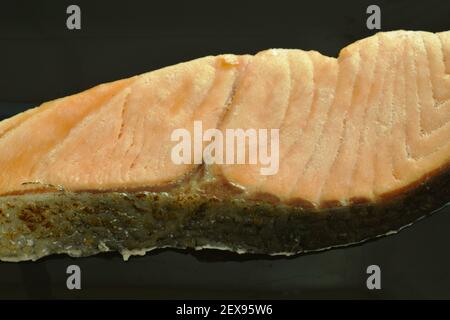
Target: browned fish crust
83	224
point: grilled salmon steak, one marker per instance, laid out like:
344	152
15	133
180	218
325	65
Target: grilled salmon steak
364	149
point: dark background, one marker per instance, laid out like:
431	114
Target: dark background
41	60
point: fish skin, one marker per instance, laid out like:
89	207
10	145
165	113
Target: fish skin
368	128
82	224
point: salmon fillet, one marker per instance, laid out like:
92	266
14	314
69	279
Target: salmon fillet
364	149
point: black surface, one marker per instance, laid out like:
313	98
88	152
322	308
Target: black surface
40	60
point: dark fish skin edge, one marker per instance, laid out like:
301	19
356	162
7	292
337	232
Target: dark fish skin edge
83	224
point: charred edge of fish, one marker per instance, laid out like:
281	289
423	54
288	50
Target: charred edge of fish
82	224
